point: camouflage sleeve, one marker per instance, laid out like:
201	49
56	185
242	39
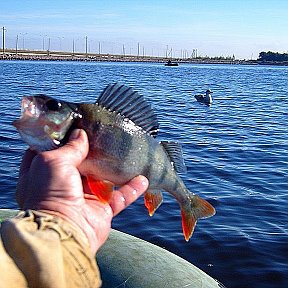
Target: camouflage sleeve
41	250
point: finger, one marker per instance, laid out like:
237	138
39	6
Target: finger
128	193
75	151
26	161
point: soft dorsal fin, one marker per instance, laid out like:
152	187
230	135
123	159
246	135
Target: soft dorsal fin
127	102
174	151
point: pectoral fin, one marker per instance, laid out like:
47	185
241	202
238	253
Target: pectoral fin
101	189
152	200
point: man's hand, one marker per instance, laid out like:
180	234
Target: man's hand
50	181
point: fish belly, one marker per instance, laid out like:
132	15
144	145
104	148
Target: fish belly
118	156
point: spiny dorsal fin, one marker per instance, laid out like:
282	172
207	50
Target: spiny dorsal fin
127	102
174	152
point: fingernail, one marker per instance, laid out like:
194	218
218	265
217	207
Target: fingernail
75	134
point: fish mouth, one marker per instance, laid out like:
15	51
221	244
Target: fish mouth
29	108
29	111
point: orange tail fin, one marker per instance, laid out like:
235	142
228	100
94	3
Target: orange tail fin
194	209
102	189
152	200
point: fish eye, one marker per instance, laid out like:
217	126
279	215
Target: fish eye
53	105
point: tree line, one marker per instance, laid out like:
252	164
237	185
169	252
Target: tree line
273	57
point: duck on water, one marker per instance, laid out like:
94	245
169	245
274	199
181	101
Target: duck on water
207	98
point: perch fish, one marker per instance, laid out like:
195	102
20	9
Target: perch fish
122	129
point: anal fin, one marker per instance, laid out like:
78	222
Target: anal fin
102	189
152	200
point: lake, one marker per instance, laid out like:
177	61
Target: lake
236	153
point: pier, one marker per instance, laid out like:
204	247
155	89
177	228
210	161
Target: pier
37	55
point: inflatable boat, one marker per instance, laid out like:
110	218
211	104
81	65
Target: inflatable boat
126	261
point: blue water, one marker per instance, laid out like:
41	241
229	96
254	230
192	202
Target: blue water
236	152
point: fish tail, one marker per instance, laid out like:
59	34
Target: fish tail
191	211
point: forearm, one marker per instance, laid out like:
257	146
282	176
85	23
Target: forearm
48	251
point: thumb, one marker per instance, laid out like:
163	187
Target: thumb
76	149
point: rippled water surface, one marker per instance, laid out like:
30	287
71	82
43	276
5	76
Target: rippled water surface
236	153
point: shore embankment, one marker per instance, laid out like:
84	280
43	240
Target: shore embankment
37	55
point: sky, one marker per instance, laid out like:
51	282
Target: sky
242	28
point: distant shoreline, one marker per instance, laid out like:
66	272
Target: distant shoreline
37	55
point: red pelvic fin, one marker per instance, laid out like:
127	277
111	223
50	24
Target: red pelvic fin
152	200
102	189
197	208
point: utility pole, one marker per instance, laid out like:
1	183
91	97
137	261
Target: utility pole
17	38
73	47
49	42
168	52
3	40
123	50
86	46
138	53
